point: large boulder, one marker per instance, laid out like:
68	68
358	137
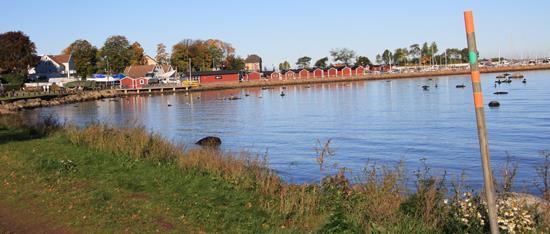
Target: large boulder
209	141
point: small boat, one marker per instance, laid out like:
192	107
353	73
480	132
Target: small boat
500	93
501	76
517	75
524	81
425	87
460	86
506	74
507	81
282	94
233	98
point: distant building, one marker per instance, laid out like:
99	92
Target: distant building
53	66
221	76
148	60
253	63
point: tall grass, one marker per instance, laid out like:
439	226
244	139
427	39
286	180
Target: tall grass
377	200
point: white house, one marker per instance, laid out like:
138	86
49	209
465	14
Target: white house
54	66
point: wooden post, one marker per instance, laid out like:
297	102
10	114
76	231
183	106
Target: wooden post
480	116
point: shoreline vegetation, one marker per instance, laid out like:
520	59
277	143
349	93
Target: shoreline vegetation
34	102
104	179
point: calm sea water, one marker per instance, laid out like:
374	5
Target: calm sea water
368	121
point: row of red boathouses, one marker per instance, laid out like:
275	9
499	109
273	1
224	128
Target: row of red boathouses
223	76
305	73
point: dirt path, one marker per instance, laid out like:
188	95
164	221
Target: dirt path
17	221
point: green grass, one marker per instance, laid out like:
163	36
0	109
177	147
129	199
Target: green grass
99	191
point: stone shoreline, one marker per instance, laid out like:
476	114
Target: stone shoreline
10	107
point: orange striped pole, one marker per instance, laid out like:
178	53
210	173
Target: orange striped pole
480	116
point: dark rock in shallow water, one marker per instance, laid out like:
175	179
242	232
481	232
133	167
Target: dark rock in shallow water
494	104
209	141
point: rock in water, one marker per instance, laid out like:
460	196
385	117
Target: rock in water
494	104
209	141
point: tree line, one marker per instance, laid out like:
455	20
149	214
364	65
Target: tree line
18	54
427	54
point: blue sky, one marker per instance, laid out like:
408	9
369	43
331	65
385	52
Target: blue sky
285	30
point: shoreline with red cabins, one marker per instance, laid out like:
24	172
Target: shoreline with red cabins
293	78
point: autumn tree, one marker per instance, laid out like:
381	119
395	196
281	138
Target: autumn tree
342	55
115	53
84	57
136	54
303	62
17	53
162	56
233	62
362	61
203	55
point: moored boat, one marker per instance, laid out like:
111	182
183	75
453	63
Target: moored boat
517	75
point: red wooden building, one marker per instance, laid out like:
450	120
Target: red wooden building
345	71
135	83
273	75
358	71
332	72
207	77
380	68
290	74
318	73
303	74
251	76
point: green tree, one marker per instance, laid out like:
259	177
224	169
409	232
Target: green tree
162	56
433	52
342	55
84	56
387	57
425	54
433	48
136	54
284	66
464	54
304	62
322	63
415	53
17	53
215	56
400	56
114	53
362	61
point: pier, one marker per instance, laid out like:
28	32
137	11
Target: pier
161	88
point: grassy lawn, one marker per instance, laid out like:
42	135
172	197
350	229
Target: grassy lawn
89	191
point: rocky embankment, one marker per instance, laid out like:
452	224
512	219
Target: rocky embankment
8	107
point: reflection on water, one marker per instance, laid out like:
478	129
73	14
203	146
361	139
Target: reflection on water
376	121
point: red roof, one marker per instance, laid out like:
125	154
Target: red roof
60	59
136	71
